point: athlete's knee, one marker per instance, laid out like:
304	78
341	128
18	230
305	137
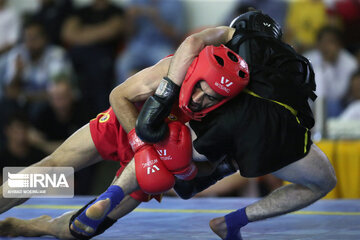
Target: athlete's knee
325	181
331	181
329	177
325	178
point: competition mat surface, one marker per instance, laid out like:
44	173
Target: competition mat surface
174	218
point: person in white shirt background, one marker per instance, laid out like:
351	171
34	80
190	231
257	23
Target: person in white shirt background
333	66
352	111
8	35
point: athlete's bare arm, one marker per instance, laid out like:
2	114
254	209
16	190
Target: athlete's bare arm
137	88
143	84
192	46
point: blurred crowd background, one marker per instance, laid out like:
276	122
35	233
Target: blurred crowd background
59	60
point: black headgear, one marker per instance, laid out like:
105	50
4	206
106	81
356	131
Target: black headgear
250	25
256	21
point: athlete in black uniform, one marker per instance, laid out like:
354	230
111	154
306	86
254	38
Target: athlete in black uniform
265	129
267	126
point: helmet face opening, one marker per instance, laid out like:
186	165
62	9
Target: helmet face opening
223	70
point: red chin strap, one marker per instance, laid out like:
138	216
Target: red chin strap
222	69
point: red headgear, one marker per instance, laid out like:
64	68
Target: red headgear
225	72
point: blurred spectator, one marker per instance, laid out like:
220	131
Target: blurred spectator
59	118
352	111
18	151
31	66
51	15
276	9
92	34
304	19
9	27
155	27
8	108
333	66
357	55
9	34
348	14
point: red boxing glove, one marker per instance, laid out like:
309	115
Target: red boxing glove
176	151
152	175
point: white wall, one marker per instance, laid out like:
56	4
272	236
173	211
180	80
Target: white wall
23	5
202	13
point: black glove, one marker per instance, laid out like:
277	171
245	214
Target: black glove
150	125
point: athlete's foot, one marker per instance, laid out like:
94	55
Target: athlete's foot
59	226
94	212
14	227
218	226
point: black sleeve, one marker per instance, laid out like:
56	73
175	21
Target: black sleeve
214	138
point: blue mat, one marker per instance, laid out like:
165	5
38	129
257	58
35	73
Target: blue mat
178	219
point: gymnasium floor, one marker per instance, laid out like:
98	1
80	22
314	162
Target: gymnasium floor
179	219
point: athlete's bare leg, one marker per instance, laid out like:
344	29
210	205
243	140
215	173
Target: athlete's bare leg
127	181
312	178
56	227
37	227
77	151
